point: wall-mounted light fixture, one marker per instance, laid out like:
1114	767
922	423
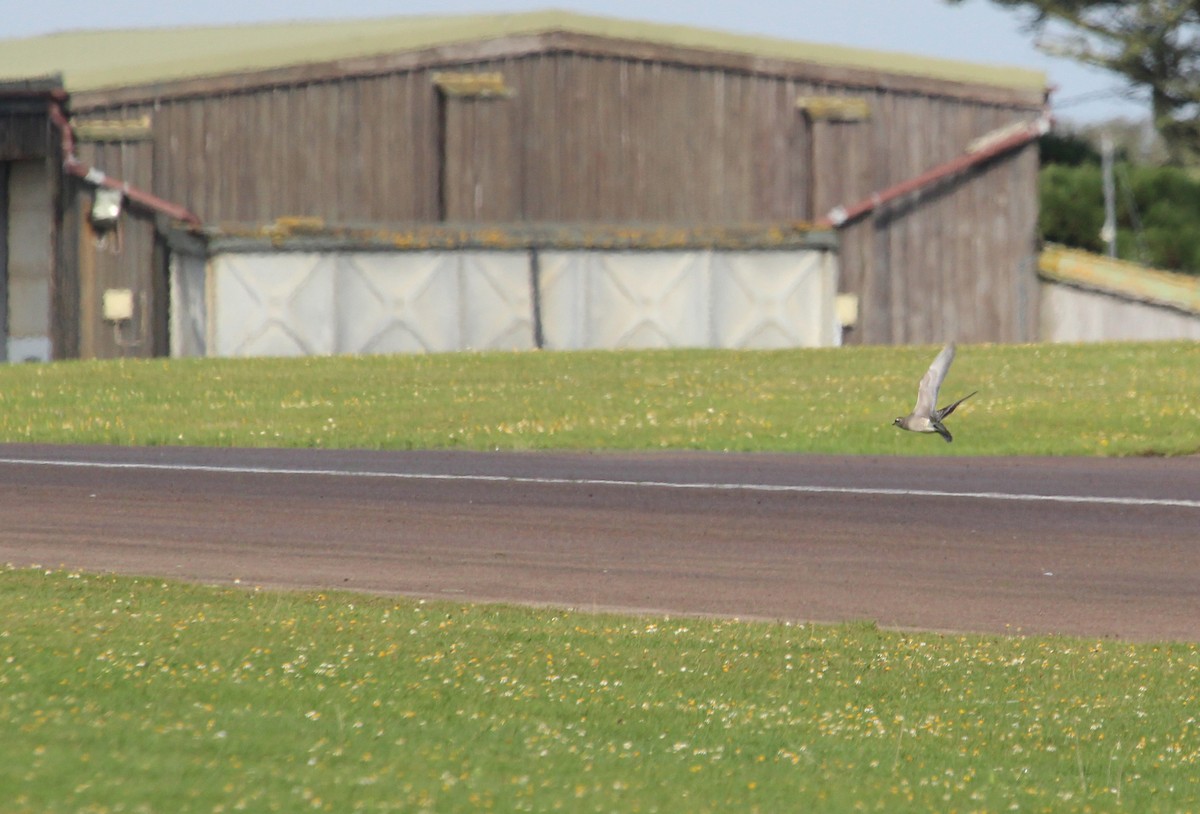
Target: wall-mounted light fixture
106	208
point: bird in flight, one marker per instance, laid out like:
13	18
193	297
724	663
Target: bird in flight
926	417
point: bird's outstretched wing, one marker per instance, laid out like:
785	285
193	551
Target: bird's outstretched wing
927	393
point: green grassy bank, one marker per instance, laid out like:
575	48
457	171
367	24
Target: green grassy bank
119	694
1118	399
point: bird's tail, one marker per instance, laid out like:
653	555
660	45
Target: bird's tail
945	411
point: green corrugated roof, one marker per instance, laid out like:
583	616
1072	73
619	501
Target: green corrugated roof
94	59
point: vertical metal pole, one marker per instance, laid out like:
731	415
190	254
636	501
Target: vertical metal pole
1109	232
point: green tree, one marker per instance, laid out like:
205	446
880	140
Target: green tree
1069	148
1153	44
1169	200
1158	212
1072	205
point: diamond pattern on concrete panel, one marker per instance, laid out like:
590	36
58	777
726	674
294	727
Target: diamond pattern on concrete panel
189	306
294	303
273	304
623	300
563	277
651	301
398	303
768	300
497	301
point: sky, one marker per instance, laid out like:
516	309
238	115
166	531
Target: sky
975	31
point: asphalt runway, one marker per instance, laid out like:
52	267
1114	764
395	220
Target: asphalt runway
1093	547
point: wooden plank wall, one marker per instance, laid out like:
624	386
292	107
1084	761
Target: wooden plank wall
64	303
24	134
593	138
596	137
953	264
481	175
128	257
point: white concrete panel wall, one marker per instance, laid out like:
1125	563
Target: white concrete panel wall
427	302
1072	314
300	304
188	318
625	299
398	305
766	300
272	305
751	299
296	303
497	301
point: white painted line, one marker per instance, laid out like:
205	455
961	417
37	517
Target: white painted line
727	487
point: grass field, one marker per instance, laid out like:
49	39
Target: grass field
121	694
138	695
1126	399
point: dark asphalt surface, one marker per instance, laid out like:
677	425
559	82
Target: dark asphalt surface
805	538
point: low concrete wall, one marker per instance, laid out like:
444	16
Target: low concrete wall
1072	314
244	299
1091	298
